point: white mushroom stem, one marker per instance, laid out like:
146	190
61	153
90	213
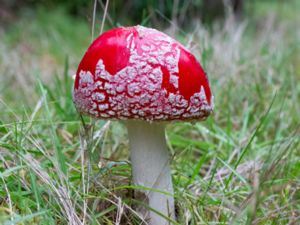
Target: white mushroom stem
150	168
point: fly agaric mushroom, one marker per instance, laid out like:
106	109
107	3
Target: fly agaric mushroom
144	78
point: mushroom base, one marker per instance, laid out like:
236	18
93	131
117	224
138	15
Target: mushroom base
150	169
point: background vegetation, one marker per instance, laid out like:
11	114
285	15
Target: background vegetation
241	166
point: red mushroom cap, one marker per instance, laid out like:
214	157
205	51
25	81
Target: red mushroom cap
141	73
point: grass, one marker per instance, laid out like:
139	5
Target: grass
241	166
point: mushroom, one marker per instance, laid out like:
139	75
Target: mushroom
146	79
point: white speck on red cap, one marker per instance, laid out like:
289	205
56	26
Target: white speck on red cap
141	73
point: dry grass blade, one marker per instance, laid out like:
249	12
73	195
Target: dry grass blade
104	16
61	191
94	19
